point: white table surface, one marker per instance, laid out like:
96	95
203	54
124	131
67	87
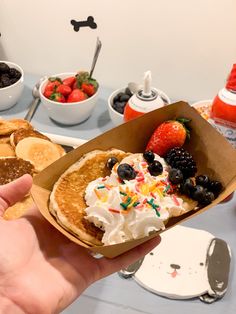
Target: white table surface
114	295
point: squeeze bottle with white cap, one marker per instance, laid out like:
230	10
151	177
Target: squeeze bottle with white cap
144	100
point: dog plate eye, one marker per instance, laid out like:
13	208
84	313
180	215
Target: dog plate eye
201	264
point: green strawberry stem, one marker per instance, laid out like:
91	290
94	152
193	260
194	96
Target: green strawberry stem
184	121
54	79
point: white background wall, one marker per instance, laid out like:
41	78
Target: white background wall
188	45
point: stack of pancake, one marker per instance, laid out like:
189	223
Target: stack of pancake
23	150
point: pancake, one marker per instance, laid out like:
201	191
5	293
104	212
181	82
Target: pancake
12	168
22	133
9	126
67	202
40	152
4	139
18	209
6	150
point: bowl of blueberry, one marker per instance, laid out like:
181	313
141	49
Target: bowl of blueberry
11	84
116	104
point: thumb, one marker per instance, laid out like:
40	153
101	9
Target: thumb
109	266
14	191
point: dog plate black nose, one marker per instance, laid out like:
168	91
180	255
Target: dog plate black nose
175	266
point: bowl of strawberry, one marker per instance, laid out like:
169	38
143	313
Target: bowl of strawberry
69	98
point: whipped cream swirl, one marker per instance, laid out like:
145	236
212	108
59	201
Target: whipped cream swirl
131	209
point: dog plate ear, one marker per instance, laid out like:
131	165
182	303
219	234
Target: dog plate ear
218	267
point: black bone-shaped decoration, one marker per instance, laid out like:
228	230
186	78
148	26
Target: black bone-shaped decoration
88	23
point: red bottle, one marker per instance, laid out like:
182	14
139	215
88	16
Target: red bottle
223	110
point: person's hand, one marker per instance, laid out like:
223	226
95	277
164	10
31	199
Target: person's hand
41	271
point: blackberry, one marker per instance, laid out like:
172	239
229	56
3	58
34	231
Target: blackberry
179	158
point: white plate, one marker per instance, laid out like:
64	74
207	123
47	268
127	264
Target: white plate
203	107
65	140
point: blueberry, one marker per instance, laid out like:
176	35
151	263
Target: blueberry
199	193
124	98
208	198
149	156
155	168
116	98
128	91
14	73
203	180
187	187
215	187
13	80
126	172
6	81
175	176
120	94
4	68
119	106
111	162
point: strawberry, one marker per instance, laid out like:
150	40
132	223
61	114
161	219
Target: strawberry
167	135
51	86
47	93
76	95
69	81
57	97
86	83
63	89
88	89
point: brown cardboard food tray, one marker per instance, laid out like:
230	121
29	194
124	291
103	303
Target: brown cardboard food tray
212	152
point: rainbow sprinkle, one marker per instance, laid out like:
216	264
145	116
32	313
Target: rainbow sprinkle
174	198
101	187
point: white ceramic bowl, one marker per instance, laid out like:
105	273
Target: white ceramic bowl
68	113
118	118
10	95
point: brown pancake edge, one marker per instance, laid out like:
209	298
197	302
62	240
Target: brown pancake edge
22	133
67	202
12	168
